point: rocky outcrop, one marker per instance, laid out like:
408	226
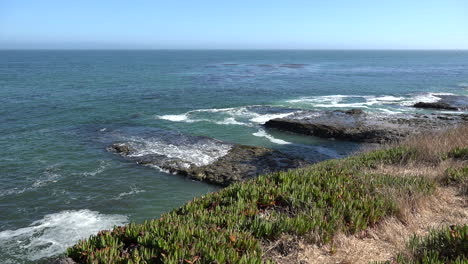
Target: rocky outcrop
240	163
357	125
446	102
436	105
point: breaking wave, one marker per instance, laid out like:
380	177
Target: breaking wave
262	133
366	101
52	234
243	116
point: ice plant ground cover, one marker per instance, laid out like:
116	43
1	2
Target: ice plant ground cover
342	195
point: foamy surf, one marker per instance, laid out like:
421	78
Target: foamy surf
192	150
52	234
386	103
262	119
243	116
426	98
174	118
262	133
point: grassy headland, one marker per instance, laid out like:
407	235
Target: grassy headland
336	196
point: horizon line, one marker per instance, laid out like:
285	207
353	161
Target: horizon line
232	49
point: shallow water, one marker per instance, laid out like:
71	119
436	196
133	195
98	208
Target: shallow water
59	110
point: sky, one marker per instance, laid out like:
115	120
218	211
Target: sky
240	24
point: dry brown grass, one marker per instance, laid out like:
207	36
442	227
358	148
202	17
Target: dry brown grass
379	243
430	147
417	213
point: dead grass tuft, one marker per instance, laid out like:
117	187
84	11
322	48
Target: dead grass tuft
431	147
417	212
386	240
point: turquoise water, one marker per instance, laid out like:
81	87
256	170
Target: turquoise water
60	109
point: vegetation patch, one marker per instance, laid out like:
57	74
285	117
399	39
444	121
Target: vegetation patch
460	153
448	245
319	201
228	226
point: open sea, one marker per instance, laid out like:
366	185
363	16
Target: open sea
59	110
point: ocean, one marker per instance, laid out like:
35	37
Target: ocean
59	110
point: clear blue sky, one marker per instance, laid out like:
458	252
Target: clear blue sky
240	24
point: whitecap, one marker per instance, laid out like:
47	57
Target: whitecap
174	118
54	233
244	115
228	121
262	133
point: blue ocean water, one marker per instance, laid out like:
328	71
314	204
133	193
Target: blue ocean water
59	110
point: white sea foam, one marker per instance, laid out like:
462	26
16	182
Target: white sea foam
52	234
50	175
331	99
426	98
365	101
199	153
262	119
11	191
161	169
244	116
228	121
102	167
174	118
262	133
133	190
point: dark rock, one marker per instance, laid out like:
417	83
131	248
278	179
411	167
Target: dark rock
436	105
122	149
446	102
354	112
357	125
240	163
